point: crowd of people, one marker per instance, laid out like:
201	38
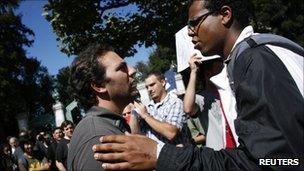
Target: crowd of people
28	152
250	107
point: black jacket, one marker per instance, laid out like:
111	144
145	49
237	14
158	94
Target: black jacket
269	123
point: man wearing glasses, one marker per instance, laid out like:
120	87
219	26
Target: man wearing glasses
268	88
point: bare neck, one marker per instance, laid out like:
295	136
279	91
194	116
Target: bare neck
231	38
162	97
111	106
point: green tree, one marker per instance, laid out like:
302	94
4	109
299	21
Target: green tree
63	87
161	59
280	17
122	23
25	85
125	23
142	69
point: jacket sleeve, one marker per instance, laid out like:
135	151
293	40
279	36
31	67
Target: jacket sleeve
193	158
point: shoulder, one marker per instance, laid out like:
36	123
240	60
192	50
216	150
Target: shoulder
258	58
174	100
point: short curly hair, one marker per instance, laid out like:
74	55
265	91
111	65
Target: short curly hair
241	9
86	70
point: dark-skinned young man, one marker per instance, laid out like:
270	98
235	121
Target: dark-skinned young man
267	86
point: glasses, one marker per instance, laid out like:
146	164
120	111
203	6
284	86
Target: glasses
197	21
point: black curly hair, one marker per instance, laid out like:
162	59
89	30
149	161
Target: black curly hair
86	70
241	9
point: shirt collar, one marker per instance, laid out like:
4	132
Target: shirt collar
152	103
221	80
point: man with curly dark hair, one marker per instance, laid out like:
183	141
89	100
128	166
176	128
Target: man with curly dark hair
103	85
262	80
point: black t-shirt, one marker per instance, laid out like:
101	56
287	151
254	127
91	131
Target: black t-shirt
62	151
51	153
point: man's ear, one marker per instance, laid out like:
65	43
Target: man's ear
163	82
99	88
226	13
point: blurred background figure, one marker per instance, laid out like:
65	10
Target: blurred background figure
203	105
30	160
7	161
131	116
42	144
57	136
15	149
63	145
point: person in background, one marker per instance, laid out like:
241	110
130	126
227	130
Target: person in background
32	162
51	153
131	116
7	161
15	148
42	144
197	131
63	145
204	107
163	119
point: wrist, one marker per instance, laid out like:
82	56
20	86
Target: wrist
193	72
145	117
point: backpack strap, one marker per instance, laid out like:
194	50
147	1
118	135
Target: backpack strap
257	40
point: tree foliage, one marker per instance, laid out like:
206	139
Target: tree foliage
124	23
160	60
64	89
25	85
280	17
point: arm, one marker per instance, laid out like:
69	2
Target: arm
200	139
189	99
133	150
134	125
197	135
167	130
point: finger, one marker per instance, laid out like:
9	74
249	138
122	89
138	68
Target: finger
193	54
196	58
114	139
136	104
112	147
116	166
109	157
